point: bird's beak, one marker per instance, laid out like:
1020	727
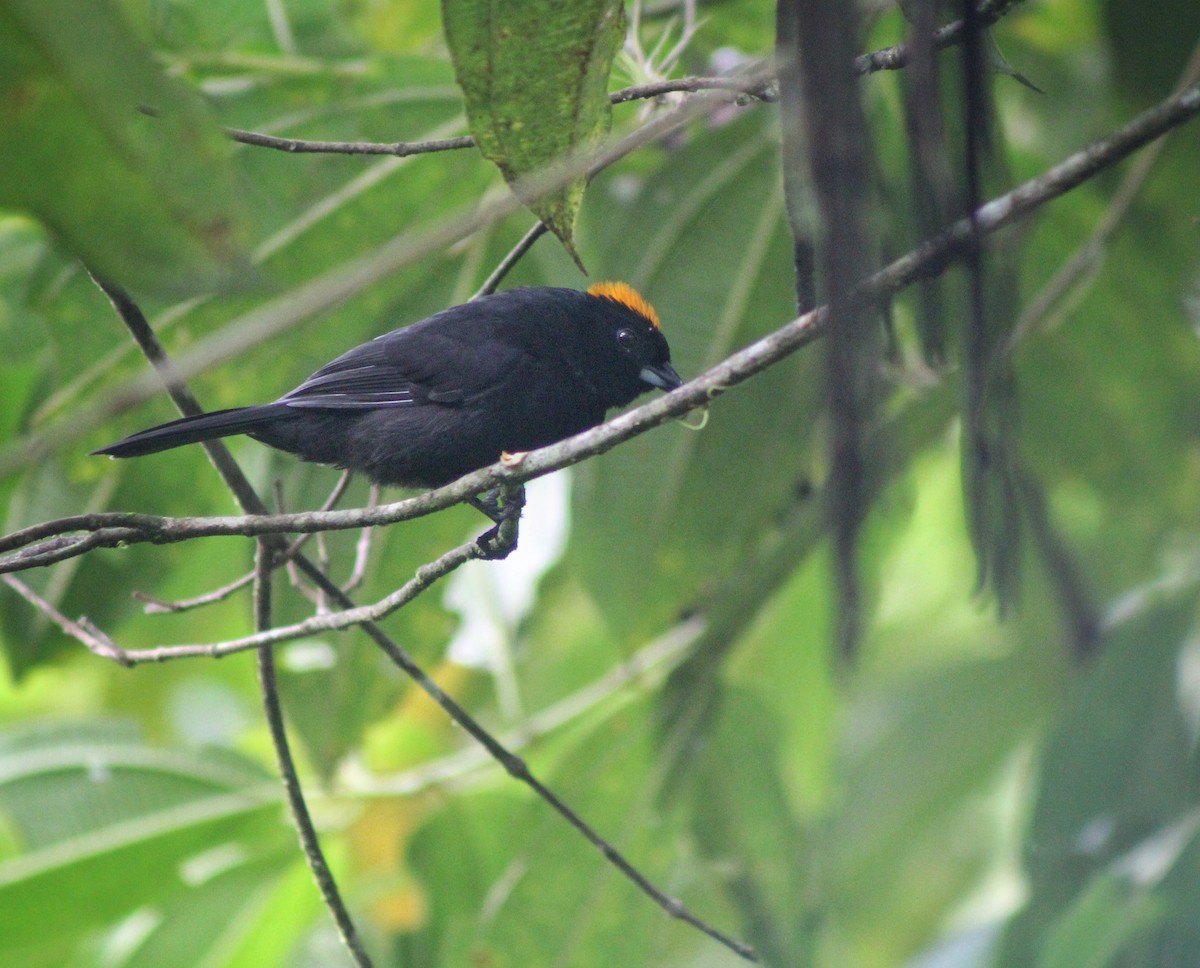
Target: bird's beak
662	376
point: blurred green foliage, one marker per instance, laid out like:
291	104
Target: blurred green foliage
975	791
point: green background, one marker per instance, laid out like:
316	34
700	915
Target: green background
974	790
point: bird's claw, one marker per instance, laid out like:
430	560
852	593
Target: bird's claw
503	506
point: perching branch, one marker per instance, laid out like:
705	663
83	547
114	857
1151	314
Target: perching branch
758	86
400	149
495	544
336	286
64	538
158	606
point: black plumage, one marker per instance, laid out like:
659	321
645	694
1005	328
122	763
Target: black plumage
423	405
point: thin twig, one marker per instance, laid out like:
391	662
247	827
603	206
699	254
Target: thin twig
131	314
301	818
159	606
426	576
362	548
1038	314
293	573
896	57
518	251
519	770
152	605
84	630
757	85
399	149
310	593
645	669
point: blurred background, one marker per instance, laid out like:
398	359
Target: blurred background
1004	773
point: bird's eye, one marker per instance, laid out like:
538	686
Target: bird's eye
626	337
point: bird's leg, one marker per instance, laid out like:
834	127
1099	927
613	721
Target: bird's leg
489	503
503	505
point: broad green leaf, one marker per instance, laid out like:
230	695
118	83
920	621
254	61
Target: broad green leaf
207	925
124	166
523	885
704	238
535	79
756	840
910	832
1117	768
1099	924
130	826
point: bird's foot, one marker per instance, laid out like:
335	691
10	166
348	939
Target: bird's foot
503	505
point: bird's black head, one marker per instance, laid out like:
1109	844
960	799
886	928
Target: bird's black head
629	339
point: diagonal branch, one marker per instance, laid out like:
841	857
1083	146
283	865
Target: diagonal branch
495	544
339	284
58	540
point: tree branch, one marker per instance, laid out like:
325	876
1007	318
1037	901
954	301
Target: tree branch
400	149
347	280
759	85
58	540
310	844
896	57
496	543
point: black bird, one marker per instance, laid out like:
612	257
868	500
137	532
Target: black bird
425	404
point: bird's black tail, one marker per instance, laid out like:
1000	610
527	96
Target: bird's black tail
191	430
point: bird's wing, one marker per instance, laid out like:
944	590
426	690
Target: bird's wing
405	368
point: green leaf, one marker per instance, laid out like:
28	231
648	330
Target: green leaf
109	825
1099	924
1118	768
122	164
910	837
204	925
661	519
756	839
535	79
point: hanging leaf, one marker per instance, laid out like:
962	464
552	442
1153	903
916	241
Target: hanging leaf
123	165
535	79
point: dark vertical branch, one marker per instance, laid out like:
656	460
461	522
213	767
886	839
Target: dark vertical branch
839	166
797	192
135	320
930	176
515	255
301	819
139	327
1066	578
992	500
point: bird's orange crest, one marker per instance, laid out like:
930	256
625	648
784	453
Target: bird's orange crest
626	295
